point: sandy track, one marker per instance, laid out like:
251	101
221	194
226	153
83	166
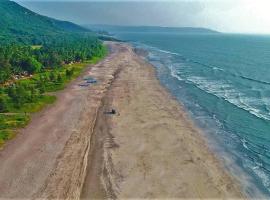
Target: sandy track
150	149
46	158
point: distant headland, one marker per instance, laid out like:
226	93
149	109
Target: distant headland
160	29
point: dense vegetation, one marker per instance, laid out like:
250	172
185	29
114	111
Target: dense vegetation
38	55
18	24
25	60
29	73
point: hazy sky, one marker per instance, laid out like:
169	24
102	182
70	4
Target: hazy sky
245	16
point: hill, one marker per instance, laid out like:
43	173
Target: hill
183	30
20	24
38	55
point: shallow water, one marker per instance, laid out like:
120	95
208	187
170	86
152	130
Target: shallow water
224	83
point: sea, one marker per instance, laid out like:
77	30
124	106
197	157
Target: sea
223	82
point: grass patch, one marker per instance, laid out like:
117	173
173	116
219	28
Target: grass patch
12	121
6	135
9	123
36	106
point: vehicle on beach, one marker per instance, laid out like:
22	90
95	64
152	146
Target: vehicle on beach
88	80
84	84
91	81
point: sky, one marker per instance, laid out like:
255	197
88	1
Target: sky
231	16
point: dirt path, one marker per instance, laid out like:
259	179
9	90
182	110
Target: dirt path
149	149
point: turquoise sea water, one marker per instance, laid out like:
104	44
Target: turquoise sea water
223	81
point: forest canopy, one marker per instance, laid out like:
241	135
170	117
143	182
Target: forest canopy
16	59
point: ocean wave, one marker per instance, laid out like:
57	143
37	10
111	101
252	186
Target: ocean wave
257	159
226	71
230	73
169	52
263	176
244	143
227	92
153	48
221	89
174	73
255	80
217	88
212	67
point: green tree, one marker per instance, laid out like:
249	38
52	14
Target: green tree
30	65
46	79
72	71
41	78
3	105
52	76
22	95
34	94
59	78
42	89
12	92
5	70
68	73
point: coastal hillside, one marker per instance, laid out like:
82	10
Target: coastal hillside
38	55
22	25
183	30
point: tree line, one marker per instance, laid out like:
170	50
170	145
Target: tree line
17	59
47	62
19	93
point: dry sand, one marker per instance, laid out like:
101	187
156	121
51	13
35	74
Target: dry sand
149	149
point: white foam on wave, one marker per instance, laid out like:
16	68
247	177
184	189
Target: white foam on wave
218	69
168	52
153	48
218	88
244	143
263	176
174	72
224	90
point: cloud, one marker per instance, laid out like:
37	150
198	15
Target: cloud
237	16
251	16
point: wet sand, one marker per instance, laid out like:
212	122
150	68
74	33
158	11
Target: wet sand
148	149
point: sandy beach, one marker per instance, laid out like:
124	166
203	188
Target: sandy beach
148	149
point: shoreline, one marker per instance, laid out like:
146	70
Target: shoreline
117	181
250	185
149	149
